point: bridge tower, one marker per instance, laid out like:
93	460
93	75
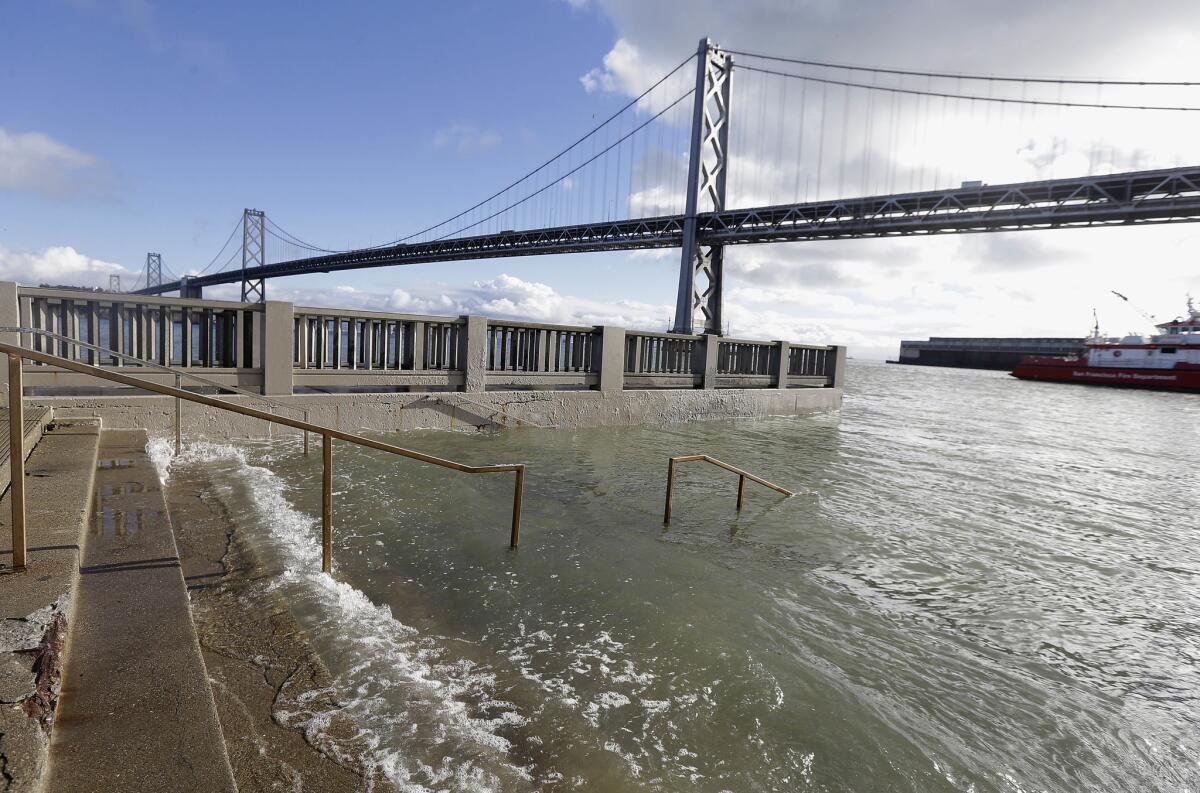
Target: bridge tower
153	269
701	275
254	254
114	282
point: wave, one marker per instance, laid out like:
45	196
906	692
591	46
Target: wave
428	722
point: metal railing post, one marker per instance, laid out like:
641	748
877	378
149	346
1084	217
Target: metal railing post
742	477
327	503
518	493
670	488
16	461
178	415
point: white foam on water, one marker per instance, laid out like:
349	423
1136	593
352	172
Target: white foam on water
398	686
596	677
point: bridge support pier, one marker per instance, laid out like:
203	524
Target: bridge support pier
254	254
153	270
189	290
707	166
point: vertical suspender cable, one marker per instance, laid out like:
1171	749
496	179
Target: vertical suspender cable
800	140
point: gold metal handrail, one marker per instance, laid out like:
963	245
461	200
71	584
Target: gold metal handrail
178	373
328	434
742	477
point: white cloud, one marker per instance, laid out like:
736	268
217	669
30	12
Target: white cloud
60	265
503	297
33	162
628	71
466	138
624	70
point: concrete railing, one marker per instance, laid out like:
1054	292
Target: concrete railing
534	354
223	338
277	348
332	346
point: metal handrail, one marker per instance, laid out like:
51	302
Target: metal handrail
179	373
328	434
742	477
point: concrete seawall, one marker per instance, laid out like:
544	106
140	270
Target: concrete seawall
406	411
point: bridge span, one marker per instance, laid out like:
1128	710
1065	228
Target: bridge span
625	185
1161	196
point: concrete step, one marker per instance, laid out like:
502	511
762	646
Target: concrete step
136	712
35	603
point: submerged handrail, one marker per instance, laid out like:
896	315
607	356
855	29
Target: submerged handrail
742	477
328	435
179	373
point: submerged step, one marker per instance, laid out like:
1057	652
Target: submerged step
136	712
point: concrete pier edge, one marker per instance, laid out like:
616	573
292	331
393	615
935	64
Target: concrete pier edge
386	412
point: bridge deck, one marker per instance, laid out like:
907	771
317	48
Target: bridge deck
1162	196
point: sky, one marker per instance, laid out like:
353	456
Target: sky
129	126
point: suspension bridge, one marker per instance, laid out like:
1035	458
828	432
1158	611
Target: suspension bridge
907	147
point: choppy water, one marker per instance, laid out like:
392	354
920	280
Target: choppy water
986	585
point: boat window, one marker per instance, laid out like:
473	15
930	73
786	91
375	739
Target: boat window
1167	350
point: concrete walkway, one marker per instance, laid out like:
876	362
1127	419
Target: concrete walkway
136	712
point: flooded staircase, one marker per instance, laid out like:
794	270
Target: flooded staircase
136	711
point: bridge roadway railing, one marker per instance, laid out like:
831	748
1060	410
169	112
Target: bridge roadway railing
275	348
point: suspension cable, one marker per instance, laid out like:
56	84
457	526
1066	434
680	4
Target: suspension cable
945	95
286	236
1002	79
576	169
498	193
236	226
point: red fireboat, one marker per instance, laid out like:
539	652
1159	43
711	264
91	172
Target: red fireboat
1168	361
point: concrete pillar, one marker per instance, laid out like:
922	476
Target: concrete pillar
10	316
186	335
415	345
612	359
839	367
712	343
783	353
189	291
475	359
276	334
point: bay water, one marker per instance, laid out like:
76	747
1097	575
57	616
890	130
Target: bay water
982	584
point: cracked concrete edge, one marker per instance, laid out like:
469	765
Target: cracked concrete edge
31	652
